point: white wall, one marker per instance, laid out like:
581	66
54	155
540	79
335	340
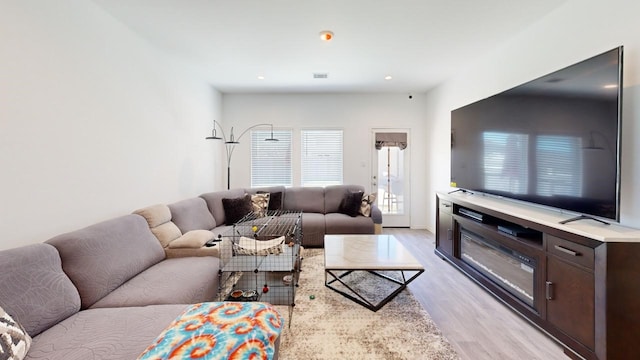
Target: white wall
356	114
94	123
578	30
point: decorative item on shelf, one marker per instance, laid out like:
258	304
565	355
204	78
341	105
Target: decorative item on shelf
265	288
231	142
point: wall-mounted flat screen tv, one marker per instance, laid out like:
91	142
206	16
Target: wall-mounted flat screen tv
554	141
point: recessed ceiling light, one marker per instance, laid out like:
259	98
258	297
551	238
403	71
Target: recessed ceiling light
260	77
388	77
326	35
610	86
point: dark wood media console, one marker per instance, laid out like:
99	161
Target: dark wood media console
578	282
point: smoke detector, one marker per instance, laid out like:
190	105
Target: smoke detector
320	75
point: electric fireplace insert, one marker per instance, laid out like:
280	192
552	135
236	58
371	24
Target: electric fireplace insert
509	269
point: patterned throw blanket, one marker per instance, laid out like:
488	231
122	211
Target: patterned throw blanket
219	330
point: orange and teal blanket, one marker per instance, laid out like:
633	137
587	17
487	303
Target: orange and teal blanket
219	330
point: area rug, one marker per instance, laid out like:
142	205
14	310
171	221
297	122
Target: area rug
325	325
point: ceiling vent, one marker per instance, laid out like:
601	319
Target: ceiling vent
320	75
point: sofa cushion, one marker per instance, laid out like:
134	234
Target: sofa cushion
104	334
166	233
172	281
159	219
351	203
34	289
306	199
14	340
236	208
337	223
334	194
192	214
214	203
313	229
103	256
155	214
193	239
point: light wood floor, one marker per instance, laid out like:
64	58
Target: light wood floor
475	323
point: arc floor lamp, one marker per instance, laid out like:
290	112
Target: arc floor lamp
231	142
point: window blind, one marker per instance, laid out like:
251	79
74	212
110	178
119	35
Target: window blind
321	159
271	160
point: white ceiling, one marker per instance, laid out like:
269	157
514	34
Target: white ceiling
419	42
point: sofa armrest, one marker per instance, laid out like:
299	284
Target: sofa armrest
376	214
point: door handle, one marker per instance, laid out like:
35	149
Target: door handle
548	290
449	234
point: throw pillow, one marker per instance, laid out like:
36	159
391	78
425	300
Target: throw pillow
365	206
194	239
275	200
236	209
14	341
351	202
155	215
260	203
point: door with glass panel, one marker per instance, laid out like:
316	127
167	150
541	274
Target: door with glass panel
390	176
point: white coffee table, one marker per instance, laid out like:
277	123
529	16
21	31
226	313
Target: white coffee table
345	254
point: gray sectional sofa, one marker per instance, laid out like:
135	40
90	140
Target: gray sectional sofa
102	292
106	291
